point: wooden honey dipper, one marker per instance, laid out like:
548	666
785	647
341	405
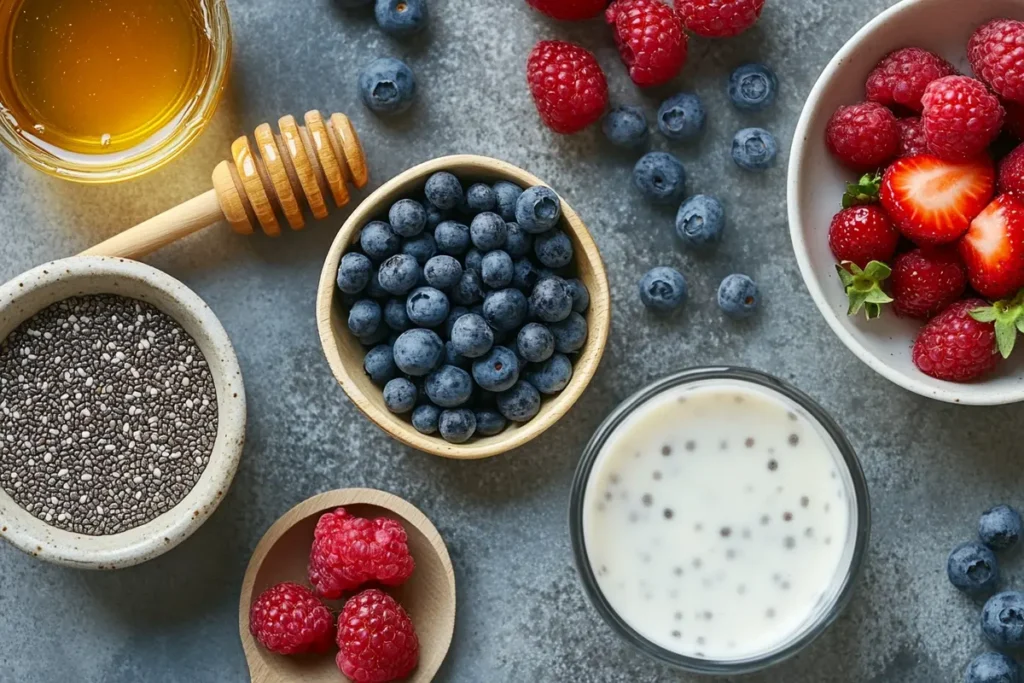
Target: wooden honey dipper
308	162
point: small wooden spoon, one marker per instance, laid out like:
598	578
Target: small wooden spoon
283	555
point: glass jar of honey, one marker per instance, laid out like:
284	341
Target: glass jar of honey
105	90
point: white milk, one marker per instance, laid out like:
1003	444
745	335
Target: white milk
716	520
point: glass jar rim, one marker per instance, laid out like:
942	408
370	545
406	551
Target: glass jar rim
589	580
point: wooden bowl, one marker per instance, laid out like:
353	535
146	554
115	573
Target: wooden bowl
283	555
345	353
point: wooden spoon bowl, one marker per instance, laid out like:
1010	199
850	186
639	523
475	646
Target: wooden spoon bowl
283	555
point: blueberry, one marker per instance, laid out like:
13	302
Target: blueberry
496	269
521	403
518	242
505	309
387	86
663	289
535	343
449	386
400	395
434	216
570	334
497	371
474	259
525	275
364	317
972	568
580	295
538	209
427	306
489	422
738	296
443	190
506	195
626	126
1002	620
488	231
992	667
999	527
660	178
395	316
399	274
425	418
470	289
401	18
407	217
454	358
752	87
452	238
681	117
374	290
754	149
479	198
454	313
457	426
418	352
443	272
472	336
379	241
376	337
551	376
699	222
351	4
421	247
354	273
379	364
551	300
553	249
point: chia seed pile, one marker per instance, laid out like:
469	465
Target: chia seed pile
108	414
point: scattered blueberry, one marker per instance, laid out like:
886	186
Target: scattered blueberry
379	241
663	289
580	295
972	568
401	18
421	247
442	272
470	289
479	198
518	242
521	403
551	376
474	259
497	371
443	190
752	87
489	422
472	336
452	238
992	667
399	274
551	300
553	249
570	334
738	296
1002	620
660	178
681	117
434	215
387	86
538	209
754	149
496	269
400	395
418	352
457	426
626	126
395	316
407	217
699	222
535	343
506	195
364	317
427	306
379	364
354	273
1000	527
425	418
449	386
505	309
488	231
525	275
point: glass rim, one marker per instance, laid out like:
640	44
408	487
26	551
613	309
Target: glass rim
589	581
184	132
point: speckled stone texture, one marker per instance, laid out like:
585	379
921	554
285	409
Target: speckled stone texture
522	615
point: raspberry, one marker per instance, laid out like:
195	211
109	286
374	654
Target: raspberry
996	53
650	39
377	640
289	620
901	77
912	140
863	136
719	18
567	85
569	10
349	551
954	346
1014	119
1011	173
862	234
925	281
961	117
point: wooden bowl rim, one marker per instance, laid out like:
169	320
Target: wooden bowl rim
554	407
430	662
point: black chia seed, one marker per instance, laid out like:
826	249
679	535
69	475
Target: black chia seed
108	414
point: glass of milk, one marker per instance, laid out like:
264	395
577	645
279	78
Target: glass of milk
718	519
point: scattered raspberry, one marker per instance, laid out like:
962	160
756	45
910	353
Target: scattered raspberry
377	640
719	18
569	10
961	117
901	77
954	346
1014	123
349	551
1011	173
996	53
289	620
862	234
863	136
926	281
567	85
912	140
650	39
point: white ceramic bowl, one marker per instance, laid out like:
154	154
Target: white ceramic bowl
30	292
816	184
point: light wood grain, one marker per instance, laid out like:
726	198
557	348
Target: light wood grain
283	553
345	354
273	161
317	130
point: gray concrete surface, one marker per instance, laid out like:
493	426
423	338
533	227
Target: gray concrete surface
522	615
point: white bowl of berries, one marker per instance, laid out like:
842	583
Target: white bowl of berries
906	197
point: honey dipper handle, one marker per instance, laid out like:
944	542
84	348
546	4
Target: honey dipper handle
159	231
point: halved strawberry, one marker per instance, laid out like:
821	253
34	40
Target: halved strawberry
993	248
933	201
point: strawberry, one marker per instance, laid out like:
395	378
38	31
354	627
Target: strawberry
933	201
1008	317
926	281
862	234
1011	173
993	248
954	346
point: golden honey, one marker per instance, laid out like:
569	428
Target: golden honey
102	77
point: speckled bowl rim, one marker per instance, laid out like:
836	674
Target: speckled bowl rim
28	293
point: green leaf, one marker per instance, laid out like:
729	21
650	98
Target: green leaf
984	314
864	287
1006	336
877	270
864	191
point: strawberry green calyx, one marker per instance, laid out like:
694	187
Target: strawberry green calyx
864	287
864	191
1008	316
